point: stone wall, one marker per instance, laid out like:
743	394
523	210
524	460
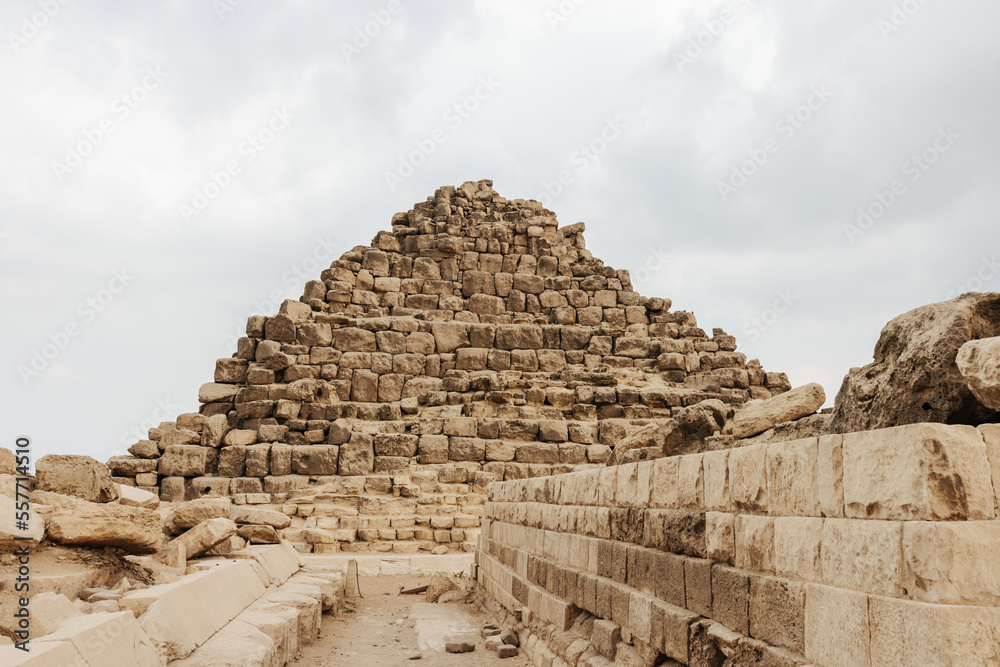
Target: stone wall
873	548
477	341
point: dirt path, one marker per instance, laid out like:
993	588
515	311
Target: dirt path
386	628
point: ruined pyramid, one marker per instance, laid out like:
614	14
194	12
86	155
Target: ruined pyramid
476	341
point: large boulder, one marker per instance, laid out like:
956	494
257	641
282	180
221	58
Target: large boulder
979	363
76	522
759	416
914	377
79	476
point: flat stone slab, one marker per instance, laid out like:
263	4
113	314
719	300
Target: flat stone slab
105	640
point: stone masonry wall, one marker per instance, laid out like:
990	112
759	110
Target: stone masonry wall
874	548
477	341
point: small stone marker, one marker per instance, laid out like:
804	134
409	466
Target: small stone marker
351	589
459	647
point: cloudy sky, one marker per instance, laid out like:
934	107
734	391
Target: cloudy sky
795	173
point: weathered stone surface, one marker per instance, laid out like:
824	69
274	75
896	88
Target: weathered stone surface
135	497
979	363
837	630
183	461
106	640
200	539
190	514
952	562
48	610
357	457
863	555
212	392
918	471
258	534
244	514
914	377
757	417
79	476
80	523
316	459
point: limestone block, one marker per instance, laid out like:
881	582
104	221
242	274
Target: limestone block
239	644
258	534
519	337
357	457
757	417
731	598
720	536
991	437
863	555
837	631
214	430
79	523
364	386
135	497
351	339
830	475
79	476
106	640
917	472
316	459
240	437
449	336
180	616
183	461
777	612
690	482
665	488
48	610
754	536
43	654
212	392
466	449
979	363
670	630
193	512
918	633
797	547
640	615
748	478
792	485
716	475
952	562
434	449
199	539
243	514
698	585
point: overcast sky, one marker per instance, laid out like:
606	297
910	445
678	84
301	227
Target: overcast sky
170	168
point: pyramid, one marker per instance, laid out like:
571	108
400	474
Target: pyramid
477	341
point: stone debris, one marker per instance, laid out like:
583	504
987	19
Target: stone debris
459	647
757	417
914	376
979	363
78	476
77	522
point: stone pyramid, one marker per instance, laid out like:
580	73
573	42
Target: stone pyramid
476	341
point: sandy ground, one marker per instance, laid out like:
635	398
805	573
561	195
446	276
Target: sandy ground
385	629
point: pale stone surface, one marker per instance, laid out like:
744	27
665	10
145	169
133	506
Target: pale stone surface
797	547
754	536
917	633
79	523
919	471
78	476
43	654
182	615
239	644
837	628
717	480
107	640
830	475
690	482
756	417
48	610
952	562
255	515
664	491
211	392
991	437
200	539
193	512
792	485
979	363
863	555
135	497
720	539
748	478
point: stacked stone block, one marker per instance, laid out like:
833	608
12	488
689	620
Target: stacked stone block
871	548
476	341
